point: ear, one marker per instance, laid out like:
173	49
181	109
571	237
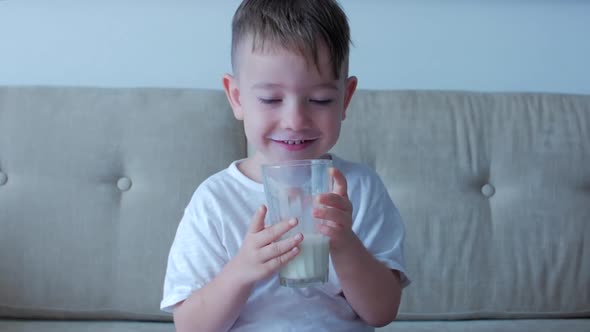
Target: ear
349	89
233	95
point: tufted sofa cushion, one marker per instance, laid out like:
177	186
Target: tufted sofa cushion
494	189
94	184
495	193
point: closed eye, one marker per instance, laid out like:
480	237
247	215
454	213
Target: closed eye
321	101
269	100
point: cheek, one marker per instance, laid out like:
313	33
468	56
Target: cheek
336	132
250	127
332	120
331	126
255	124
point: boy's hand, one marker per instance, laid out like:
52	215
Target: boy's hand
336	213
260	256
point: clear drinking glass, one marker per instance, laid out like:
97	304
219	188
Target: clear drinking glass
290	188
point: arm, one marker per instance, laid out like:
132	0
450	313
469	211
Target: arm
217	305
371	288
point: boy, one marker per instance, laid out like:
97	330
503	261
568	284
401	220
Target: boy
291	90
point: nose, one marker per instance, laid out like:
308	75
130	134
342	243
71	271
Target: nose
296	116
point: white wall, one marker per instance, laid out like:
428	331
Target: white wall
530	45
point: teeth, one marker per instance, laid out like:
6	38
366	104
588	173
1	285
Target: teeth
293	142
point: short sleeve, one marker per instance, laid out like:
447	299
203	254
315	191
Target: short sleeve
197	254
379	225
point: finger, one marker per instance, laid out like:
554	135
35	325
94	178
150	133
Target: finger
334	200
279	248
340	185
257	222
277	262
329	229
332	216
274	232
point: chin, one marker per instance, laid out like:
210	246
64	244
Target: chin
298	156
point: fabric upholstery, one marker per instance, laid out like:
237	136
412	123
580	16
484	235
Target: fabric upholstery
513	325
72	243
495	193
83	326
494	189
539	325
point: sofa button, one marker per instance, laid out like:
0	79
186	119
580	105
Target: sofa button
124	184
488	190
3	179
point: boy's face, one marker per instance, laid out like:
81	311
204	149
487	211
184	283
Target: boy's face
289	108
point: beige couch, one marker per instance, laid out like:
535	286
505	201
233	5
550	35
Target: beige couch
494	190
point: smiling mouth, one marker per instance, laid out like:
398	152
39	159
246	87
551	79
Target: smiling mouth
295	142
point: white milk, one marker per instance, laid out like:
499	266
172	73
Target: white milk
311	265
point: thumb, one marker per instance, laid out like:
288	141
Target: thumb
340	186
257	223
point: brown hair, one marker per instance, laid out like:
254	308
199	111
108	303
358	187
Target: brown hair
298	25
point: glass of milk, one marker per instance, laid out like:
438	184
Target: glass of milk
290	188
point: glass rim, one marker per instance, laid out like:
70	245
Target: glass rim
295	163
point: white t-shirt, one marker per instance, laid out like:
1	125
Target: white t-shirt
215	223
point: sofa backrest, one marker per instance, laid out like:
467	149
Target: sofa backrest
494	190
96	183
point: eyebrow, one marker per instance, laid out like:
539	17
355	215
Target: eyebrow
263	85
